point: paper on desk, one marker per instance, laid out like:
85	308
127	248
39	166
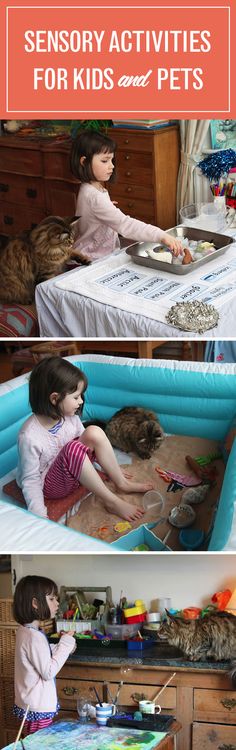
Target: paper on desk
138	289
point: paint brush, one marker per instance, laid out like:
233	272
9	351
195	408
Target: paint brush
108	691
118	692
97	696
164	687
21	727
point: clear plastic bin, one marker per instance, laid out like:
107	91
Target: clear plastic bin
121	632
80	626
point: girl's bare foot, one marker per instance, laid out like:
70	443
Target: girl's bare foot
129	486
125	510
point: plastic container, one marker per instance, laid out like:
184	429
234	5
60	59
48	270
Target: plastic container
153	499
139	645
140	536
138	609
203	215
80	626
121	632
136	618
191	613
153	617
189	214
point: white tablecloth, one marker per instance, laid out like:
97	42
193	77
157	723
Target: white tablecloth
64	313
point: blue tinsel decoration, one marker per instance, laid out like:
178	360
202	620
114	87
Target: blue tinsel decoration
215	165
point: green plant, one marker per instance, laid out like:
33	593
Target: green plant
77	125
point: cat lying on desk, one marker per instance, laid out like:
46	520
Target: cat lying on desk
34	256
210	637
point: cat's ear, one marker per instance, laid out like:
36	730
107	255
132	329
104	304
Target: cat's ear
71	219
170	617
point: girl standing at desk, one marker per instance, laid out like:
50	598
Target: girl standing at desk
36	662
92	162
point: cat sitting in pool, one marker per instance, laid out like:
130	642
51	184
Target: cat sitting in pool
134	430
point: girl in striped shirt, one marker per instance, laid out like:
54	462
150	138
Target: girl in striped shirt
56	452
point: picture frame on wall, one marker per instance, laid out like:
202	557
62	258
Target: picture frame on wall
223	134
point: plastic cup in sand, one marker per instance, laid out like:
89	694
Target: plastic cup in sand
153	499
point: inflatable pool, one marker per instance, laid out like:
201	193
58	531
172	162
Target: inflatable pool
195	399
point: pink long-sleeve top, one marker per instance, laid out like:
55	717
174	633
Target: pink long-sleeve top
101	222
37	449
36	665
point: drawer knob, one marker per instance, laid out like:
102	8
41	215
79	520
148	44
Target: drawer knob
8	220
31	193
127	157
69	690
3	187
128	174
127	140
228	703
129	190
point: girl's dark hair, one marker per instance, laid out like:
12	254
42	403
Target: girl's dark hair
27	589
89	143
53	374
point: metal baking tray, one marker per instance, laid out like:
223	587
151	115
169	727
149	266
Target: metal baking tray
138	253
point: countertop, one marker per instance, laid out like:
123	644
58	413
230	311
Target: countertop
155	656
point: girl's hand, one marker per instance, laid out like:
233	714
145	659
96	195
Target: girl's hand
67	632
172	243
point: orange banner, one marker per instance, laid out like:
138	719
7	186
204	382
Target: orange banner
157	60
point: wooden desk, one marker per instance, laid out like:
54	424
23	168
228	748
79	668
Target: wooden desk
68	734
168	742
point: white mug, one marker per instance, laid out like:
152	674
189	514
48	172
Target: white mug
104	712
149	707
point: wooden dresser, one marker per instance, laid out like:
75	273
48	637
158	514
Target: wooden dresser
147	171
36	181
201	700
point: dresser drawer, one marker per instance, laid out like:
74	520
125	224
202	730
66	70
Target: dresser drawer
14	219
69	691
15	188
130	160
132	140
138	191
56	164
61	198
144	210
129	693
213	737
215	705
21	161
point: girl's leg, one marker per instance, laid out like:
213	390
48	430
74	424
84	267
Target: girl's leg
93	482
96	440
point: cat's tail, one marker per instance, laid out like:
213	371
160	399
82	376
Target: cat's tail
232	673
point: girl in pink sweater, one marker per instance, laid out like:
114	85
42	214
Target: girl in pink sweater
56	453
93	163
36	662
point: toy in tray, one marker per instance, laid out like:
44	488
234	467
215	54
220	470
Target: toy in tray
192	250
154	722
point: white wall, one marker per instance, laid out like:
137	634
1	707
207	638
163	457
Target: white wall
189	579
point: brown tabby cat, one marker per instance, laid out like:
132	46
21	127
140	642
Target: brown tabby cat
34	256
210	637
136	430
